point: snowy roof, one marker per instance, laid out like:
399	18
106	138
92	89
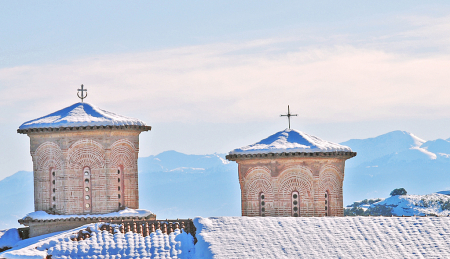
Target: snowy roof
323	237
80	115
256	237
127	212
102	244
290	140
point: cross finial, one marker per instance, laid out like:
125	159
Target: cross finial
288	115
82	90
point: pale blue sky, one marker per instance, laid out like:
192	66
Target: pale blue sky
212	76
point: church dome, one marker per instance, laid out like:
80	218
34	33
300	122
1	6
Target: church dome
290	141
82	115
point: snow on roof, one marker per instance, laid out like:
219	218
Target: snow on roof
103	244
325	237
42	215
257	237
80	115
290	140
9	237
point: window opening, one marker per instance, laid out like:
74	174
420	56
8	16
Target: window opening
295	204
120	186
87	190
262	205
52	193
327	203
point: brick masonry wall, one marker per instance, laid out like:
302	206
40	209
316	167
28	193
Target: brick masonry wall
102	152
278	179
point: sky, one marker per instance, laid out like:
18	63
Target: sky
212	76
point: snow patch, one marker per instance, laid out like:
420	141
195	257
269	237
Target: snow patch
417	141
431	155
9	237
224	161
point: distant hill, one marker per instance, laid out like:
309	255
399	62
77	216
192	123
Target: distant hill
16	198
402	205
396	159
176	185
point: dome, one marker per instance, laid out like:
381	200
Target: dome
290	141
81	115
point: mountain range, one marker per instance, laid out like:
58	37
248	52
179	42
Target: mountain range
177	185
393	160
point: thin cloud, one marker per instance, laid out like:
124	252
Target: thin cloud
207	83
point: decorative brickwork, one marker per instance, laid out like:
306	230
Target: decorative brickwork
85	171
286	185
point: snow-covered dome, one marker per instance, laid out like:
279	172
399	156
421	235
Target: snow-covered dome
81	115
291	141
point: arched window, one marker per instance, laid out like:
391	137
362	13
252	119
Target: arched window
327	203
87	190
262	205
52	198
120	187
295	204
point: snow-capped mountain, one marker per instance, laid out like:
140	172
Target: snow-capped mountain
396	159
402	205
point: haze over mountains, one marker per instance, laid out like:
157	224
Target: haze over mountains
393	160
176	185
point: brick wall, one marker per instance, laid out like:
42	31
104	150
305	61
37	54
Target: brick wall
60	160
270	185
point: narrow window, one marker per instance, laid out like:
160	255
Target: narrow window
295	204
52	198
262	205
120	186
327	203
87	190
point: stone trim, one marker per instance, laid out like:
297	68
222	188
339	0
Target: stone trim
27	220
337	154
112	127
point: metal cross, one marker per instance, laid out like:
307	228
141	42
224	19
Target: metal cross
82	90
289	116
